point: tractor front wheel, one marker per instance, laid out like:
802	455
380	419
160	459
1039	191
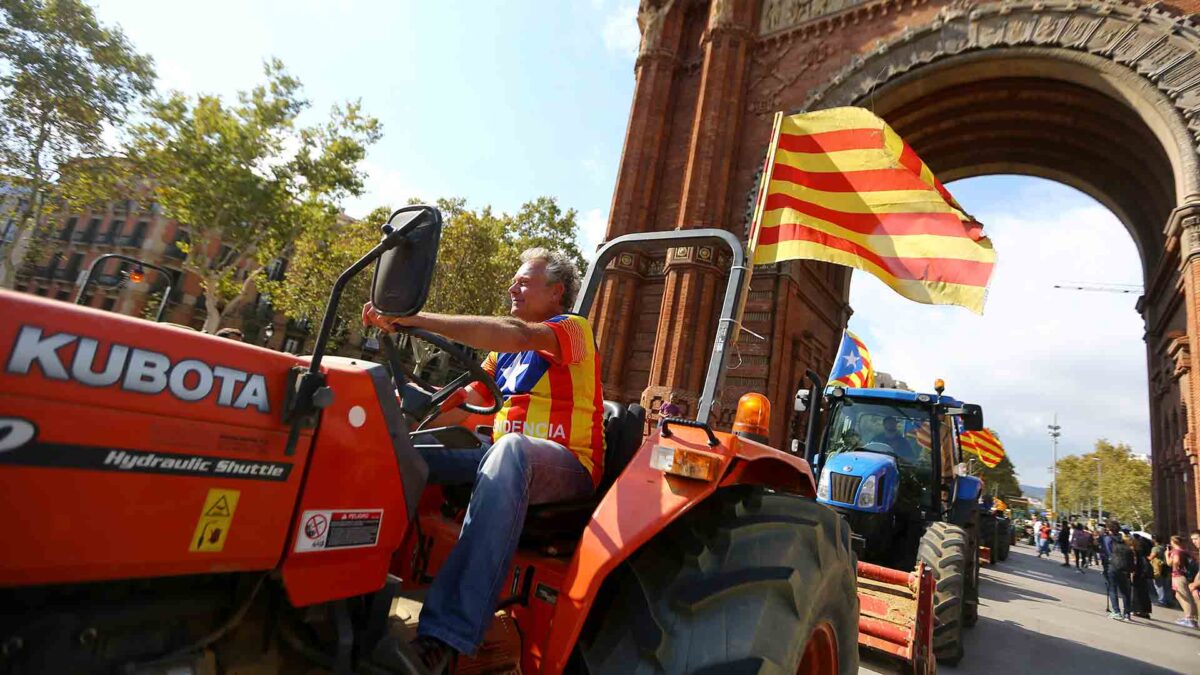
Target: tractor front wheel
943	549
746	582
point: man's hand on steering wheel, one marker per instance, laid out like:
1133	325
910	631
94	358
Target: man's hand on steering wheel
454	394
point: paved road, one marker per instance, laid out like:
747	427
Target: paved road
1038	617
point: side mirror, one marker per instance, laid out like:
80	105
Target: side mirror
404	272
972	417
803	397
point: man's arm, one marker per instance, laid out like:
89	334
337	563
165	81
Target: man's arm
493	333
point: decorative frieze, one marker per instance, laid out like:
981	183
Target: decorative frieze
780	15
1161	48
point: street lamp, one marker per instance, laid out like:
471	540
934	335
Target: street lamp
1099	491
1055	432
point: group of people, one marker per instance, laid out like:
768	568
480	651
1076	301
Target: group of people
1138	572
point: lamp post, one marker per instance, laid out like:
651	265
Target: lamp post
1099	491
1055	432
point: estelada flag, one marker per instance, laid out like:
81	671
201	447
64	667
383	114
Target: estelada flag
983	444
852	367
841	186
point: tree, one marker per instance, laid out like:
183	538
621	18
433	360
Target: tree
245	181
999	480
318	257
64	77
1124	483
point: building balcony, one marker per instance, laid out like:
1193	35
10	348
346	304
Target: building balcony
83	237
174	253
129	241
66	274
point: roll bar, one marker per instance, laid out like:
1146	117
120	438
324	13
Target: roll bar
646	242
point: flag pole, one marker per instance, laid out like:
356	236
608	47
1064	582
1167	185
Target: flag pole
756	222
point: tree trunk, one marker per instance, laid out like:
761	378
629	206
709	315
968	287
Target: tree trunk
212	316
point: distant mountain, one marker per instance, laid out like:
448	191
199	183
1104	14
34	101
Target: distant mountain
1035	492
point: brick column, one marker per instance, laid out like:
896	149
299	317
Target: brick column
641	160
612	318
692	284
1185	222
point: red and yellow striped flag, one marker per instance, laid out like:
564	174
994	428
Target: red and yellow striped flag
984	444
842	187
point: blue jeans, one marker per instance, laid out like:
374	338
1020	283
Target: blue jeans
1162	588
509	476
1118	588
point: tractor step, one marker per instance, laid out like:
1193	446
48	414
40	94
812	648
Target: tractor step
500	653
985	555
896	614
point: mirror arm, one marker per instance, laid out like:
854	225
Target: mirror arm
335	296
814	417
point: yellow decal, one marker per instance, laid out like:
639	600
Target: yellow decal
212	529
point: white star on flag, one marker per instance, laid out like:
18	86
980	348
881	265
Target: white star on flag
511	374
851	360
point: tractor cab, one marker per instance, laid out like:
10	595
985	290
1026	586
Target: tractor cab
889	465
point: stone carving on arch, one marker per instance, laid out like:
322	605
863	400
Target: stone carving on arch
1151	47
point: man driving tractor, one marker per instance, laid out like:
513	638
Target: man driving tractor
547	441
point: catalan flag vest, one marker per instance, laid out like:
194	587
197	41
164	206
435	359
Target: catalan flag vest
557	400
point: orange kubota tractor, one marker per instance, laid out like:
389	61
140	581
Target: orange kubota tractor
176	502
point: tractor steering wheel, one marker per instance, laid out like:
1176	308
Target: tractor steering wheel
474	373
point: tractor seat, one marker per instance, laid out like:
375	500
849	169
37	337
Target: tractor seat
623	427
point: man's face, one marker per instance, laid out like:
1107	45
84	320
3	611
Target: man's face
889	426
1196	541
531	297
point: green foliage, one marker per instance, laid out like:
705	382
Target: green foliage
1124	484
478	254
245	180
64	77
1000	480
319	255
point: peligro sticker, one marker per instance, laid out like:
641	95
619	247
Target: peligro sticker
327	530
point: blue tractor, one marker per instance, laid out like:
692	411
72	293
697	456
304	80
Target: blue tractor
889	462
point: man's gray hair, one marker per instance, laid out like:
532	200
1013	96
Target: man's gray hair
560	269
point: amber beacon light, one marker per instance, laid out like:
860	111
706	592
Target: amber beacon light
753	419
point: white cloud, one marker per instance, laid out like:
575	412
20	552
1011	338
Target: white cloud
592	227
1037	350
620	32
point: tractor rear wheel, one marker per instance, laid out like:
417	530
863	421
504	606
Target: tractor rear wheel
943	549
746	582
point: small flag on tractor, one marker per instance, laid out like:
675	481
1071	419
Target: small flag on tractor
852	367
983	444
841	186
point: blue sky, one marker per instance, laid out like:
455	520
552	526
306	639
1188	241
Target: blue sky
502	102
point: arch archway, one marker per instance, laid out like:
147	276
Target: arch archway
1101	95
1101	100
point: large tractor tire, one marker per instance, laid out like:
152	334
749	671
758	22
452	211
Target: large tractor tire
1004	526
989	535
746	582
944	550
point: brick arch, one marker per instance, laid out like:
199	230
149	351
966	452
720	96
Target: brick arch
710	74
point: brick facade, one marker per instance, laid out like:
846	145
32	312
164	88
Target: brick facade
1038	88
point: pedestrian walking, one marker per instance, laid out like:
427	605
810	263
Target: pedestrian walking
1064	543
1161	573
1117	574
1182	564
1044	539
1081	540
1141	579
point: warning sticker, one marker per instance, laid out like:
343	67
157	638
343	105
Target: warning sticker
212	528
325	530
